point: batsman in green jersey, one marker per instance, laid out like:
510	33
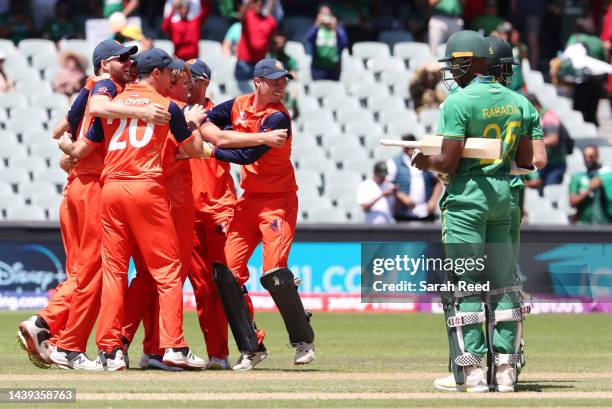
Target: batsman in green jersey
476	213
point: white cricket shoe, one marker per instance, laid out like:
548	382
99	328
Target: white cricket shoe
75	360
248	360
114	361
217	364
182	358
304	353
474	381
33	337
156	362
505	378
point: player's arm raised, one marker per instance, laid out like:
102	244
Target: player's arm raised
220	117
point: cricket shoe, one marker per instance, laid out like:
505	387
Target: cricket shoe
182	358
474	381
304	353
113	361
248	360
217	364
75	360
33	336
505	378
156	362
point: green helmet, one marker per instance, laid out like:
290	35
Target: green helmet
502	60
466	43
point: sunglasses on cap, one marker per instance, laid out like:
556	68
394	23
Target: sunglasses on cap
120	58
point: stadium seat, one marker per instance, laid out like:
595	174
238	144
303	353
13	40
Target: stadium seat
10	200
296	50
316	127
398	81
556	194
429	119
358	165
349	141
210	48
337	191
37	47
367	90
308	177
8	137
317	163
13	100
10	149
317	114
414	53
346	115
339	153
402	127
44	61
47	150
379	65
366	50
78	46
49	73
302	152
53	101
26	213
309	201
547	216
308	103
46	201
29	190
7	47
15	64
21	125
165	45
326	88
379	105
53	214
382	153
441	51
53	175
35	114
392	37
340	103
38	88
349	78
392	115
326	214
5	189
15	176
303	140
362	127
28	163
26	74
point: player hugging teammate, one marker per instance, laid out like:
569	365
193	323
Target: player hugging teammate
480	211
176	218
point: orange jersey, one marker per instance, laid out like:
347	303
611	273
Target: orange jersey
177	173
273	171
94	163
134	147
213	187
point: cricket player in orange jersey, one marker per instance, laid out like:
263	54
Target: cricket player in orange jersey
135	210
266	213
76	215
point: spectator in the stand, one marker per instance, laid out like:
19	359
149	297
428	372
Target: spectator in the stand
277	51
6	82
556	148
606	37
71	76
183	22
231	39
376	196
327	38
20	24
61	26
418	191
585	190
444	22
489	21
258	26
424	90
126	7
588	91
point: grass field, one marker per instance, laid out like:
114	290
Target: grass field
363	360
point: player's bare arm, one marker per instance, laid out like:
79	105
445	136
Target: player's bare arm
67	163
446	162
75	149
540	158
101	106
60	128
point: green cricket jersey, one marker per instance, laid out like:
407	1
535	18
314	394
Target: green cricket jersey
486	109
532	128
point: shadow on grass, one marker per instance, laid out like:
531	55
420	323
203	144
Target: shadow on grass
542	386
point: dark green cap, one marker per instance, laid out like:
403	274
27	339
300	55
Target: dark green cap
466	43
502	51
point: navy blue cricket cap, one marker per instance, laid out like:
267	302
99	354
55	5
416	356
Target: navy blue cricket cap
157	58
199	69
111	48
271	69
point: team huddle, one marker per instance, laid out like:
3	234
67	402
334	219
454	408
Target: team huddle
147	156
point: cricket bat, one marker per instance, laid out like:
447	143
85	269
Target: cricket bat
475	148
